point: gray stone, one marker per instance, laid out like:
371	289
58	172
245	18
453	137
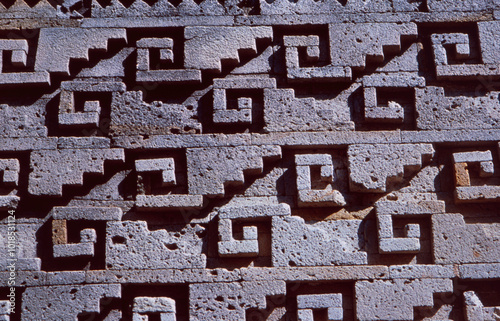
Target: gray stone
390	244
488	34
53	169
5	307
27	143
488	31
20	244
405	64
161	8
245	105
472	157
91	113
298	243
130	115
477	194
251	210
205	47
410	208
165	46
320	273
307	196
400	72
394	79
83	142
454	136
281	7
395	300
351	43
254	207
181	141
210	169
283	112
178	276
51	303
296	73
163	165
10	171
61	246
70	43
307	303
373	168
65	277
172	201
464	243
475	310
392	113
18	48
480	271
9	201
229	247
164	305
87	213
437	110
467	5
111	67
464	190
131	245
265	160
410	242
229	301
23	121
420	271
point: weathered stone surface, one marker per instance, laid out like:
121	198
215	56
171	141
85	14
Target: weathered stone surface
22	121
160	8
351	43
307	196
375	167
247	211
87	213
61	246
245	108
130	115
284	112
297	73
162	305
52	40
464	243
54	168
229	301
475	310
280	7
437	110
410	242
91	113
51	303
205	47
131	245
475	177
297	243
23	248
210	169
395	300
18	48
249	160
306	304
146	73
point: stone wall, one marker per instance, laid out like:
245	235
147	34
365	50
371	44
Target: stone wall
249	160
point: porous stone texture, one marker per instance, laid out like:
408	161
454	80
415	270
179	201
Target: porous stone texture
275	160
